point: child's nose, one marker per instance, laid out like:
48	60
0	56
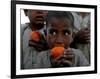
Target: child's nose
40	12
59	40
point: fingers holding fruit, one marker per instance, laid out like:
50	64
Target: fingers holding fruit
68	58
61	57
38	41
35	36
83	36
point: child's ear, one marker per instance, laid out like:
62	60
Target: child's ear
25	11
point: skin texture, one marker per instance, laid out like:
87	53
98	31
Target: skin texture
83	35
59	34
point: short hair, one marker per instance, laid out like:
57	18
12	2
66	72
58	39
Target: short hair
61	14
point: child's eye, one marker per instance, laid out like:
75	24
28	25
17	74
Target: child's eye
53	33
66	33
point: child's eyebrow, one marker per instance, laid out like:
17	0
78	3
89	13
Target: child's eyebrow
67	30
53	30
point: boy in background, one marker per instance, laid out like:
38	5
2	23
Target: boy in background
29	47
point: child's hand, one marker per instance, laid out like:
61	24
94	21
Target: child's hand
64	60
83	36
39	45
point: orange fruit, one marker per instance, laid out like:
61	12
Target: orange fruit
35	35
57	51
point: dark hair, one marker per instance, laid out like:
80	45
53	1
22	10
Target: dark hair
25	11
60	14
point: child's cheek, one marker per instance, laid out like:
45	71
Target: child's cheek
51	41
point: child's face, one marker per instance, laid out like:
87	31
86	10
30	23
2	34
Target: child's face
59	32
36	16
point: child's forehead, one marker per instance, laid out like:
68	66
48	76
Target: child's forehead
60	28
57	18
59	22
59	14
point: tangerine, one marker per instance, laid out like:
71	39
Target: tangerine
35	35
57	51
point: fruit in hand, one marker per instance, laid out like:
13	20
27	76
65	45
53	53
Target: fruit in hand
57	51
35	35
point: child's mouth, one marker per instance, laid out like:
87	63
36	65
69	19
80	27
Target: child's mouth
40	18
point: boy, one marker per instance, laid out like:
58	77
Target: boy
59	33
29	47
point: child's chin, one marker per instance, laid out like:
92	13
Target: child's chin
40	25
